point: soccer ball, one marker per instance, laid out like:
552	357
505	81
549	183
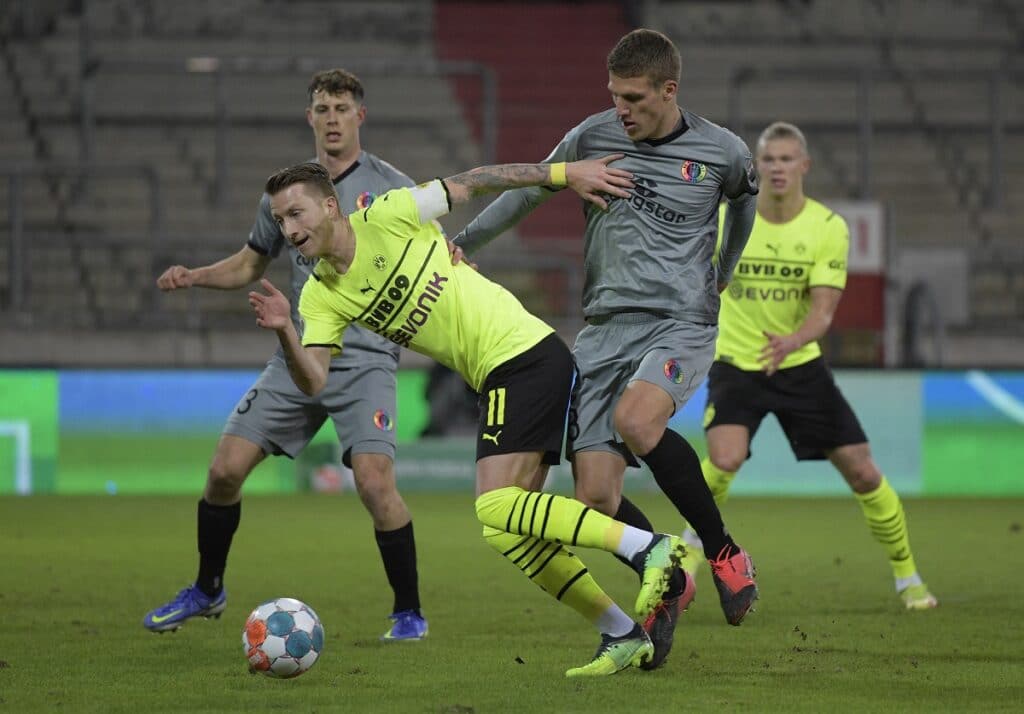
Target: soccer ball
282	638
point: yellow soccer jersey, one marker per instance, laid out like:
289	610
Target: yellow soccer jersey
770	289
402	285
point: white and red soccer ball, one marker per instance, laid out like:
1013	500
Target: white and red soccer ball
282	638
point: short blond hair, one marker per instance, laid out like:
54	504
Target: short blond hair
782	130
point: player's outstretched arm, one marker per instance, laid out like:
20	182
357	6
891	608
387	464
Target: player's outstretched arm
307	365
235	271
590	179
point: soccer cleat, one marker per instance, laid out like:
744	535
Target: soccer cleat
405	625
660	625
917	597
734	578
657	562
614	654
190	602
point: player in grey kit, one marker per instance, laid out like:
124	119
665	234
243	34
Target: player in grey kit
274	417
650	298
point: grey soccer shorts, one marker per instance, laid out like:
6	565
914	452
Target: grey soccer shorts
612	352
276	416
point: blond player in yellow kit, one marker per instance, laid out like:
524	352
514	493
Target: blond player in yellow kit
387	268
781	301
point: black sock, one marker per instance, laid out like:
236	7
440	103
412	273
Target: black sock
216	526
629	514
676	468
398	551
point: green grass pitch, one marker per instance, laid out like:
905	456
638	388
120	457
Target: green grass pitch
829	634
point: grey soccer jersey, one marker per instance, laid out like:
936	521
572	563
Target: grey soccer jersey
653	251
366	179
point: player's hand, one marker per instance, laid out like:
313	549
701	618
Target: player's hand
176	276
458	256
722	287
778	347
594	177
273	311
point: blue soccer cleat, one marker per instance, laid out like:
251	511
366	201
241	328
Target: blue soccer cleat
406	625
190	602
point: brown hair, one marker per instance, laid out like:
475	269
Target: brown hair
645	53
309	174
336	81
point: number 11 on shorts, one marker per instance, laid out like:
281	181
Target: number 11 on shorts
496	407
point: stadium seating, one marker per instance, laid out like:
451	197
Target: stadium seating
931	65
153	103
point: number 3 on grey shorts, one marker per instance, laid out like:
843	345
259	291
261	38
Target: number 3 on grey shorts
612	352
275	415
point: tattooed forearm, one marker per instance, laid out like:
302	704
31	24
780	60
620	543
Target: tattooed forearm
491	179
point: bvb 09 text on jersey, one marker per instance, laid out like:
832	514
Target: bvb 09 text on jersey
378	319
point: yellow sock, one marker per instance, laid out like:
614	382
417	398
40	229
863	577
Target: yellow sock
718	482
884	514
549	517
556	570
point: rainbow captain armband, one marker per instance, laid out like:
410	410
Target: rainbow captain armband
558	174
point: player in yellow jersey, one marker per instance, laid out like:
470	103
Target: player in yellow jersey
784	293
387	268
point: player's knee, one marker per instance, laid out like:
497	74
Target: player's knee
374	475
863	477
598	497
727	460
637	430
224	480
376	488
492	507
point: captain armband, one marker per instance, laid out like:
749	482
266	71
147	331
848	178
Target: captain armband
431	200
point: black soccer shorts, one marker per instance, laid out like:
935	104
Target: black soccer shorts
813	413
524	402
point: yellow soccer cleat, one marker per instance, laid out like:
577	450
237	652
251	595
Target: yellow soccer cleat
616	653
917	597
658	561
